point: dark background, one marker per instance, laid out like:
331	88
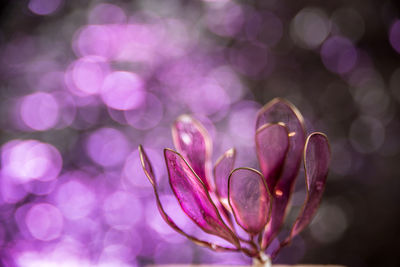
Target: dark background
368	190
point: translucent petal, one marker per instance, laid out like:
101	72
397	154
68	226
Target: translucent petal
150	175
192	140
249	199
272	144
222	169
317	156
280	110
194	199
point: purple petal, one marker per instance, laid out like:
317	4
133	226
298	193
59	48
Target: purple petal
148	170
317	156
250	199
279	110
222	169
194	199
272	144
192	140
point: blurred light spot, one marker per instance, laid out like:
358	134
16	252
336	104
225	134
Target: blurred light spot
87	75
367	134
117	115
362	76
394	36
226	20
130	238
106	14
39	111
75	200
310	27
32	258
122	210
37	68
250	59
44	222
338	54
165	253
349	23
40	188
172	208
50	81
10	190
44	7
29	160
147	115
115	253
271	30
227	79
107	147
329	224
252	23
372	100
96	40
123	90
139	42
67	109
243	117
207	98
133	172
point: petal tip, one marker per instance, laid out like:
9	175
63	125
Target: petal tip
184	118
284	101
146	165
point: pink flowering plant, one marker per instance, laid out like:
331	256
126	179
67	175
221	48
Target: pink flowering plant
255	200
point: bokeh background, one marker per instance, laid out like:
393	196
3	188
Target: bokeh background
83	83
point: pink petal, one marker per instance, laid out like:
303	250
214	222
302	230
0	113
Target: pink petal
279	110
194	199
317	156
192	140
222	169
272	144
250	199
148	170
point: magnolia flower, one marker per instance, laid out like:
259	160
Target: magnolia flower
255	200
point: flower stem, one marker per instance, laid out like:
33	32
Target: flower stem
262	261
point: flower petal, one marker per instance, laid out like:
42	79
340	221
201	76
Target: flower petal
317	156
192	140
194	199
147	167
272	144
280	110
148	170
222	169
249	199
